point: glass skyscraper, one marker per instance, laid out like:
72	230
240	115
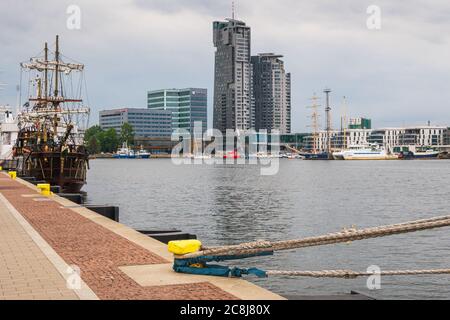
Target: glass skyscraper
187	106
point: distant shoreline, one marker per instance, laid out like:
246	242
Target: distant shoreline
110	156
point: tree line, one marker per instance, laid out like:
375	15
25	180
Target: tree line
98	140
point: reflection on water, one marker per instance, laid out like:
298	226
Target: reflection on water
233	204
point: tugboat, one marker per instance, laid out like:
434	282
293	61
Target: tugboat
124	153
50	144
143	154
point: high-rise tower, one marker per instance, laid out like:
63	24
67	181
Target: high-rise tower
271	93
232	76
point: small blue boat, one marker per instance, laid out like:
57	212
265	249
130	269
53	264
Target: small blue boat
316	156
143	154
124	153
428	154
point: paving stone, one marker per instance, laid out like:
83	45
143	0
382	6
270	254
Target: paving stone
97	251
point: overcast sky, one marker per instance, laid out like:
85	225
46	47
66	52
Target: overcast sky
398	75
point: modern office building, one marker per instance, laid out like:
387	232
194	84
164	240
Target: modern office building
232	76
187	106
390	138
421	136
271	93
339	139
145	122
360	123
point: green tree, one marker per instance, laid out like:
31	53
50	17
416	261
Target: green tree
127	134
91	139
92	131
109	140
93	145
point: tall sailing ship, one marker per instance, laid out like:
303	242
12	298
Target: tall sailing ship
50	144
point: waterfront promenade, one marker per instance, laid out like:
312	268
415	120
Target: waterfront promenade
43	239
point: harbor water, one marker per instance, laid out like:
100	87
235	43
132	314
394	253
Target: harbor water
230	204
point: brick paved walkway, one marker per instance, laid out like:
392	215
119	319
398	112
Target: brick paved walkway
97	251
25	272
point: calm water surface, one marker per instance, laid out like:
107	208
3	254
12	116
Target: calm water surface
234	204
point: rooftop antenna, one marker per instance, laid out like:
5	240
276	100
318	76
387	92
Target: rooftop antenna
233	9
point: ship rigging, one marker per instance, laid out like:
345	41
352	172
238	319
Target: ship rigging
50	145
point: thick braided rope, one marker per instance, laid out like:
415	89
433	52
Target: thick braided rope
348	274
339	237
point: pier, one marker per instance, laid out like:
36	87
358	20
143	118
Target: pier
45	240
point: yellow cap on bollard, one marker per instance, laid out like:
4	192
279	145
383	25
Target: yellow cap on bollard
12	174
181	247
44	188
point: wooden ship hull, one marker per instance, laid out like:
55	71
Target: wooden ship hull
64	169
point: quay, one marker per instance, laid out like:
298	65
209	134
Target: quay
44	240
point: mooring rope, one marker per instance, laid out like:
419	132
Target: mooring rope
348	274
346	235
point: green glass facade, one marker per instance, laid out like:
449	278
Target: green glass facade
187	105
360	123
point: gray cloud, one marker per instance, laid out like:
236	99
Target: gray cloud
201	6
397	75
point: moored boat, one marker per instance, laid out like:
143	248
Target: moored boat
444	155
413	152
427	154
374	152
143	154
50	142
124	153
8	133
316	156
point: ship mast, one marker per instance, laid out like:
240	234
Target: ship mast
344	123
53	122
56	66
46	71
51	105
327	92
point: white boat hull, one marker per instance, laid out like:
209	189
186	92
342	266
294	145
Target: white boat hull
370	157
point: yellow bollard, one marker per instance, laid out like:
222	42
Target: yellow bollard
184	246
13	174
44	188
